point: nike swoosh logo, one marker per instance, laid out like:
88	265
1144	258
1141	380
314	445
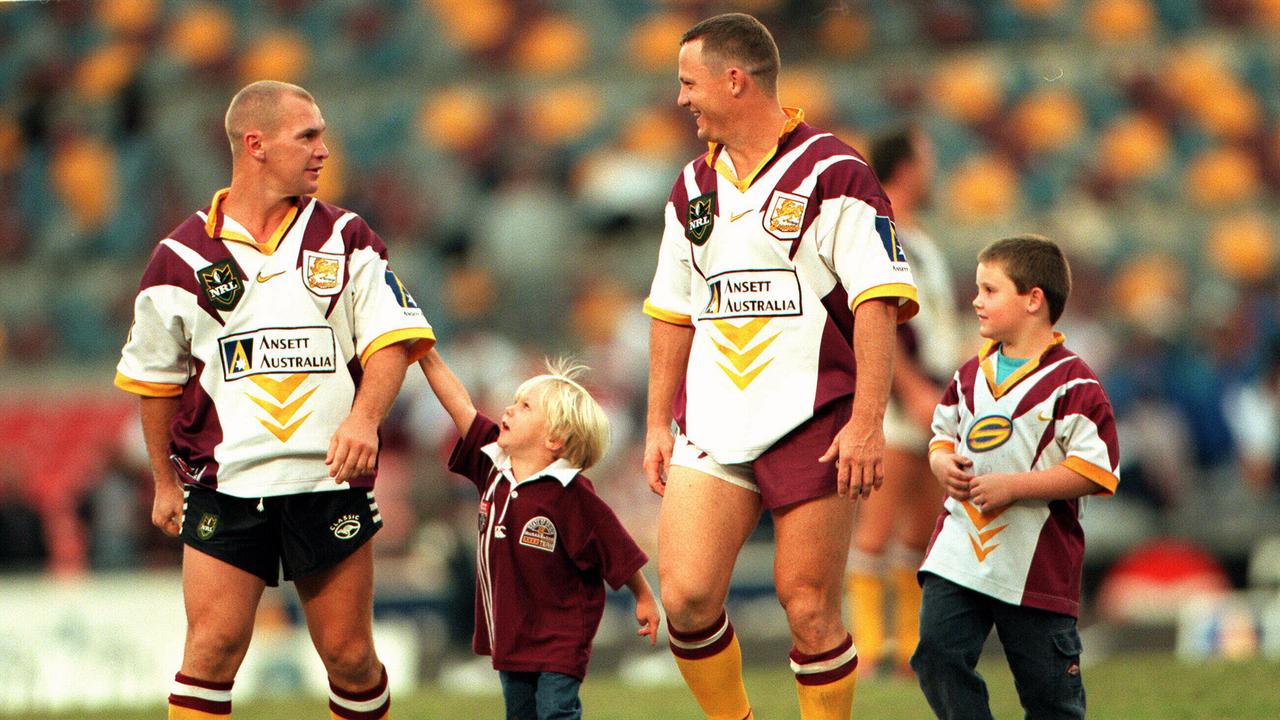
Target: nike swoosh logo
735	217
1040	416
263	278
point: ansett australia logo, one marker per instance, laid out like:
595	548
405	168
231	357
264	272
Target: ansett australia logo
279	350
539	533
752	293
221	284
346	527
989	433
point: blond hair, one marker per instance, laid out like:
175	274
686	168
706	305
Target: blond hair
257	107
573	416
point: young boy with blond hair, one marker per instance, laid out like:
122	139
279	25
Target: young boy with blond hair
547	542
1023	435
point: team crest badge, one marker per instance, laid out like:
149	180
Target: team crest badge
539	533
323	272
702	217
221	284
785	217
989	433
207	527
484	514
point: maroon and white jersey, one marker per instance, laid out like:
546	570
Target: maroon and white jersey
1051	411
264	344
547	545
767	268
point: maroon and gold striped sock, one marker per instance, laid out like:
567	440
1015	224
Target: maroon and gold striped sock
710	660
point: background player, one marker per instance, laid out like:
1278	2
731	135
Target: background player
893	526
778	274
269	339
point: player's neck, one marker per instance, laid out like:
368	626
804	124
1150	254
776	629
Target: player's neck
256	207
525	463
758	132
1029	342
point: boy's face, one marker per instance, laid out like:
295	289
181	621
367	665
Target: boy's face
1001	310
523	426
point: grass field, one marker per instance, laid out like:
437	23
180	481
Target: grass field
1130	687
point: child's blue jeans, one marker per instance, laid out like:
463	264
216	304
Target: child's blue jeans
541	696
1042	647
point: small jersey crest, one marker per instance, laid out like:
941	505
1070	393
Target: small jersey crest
888	233
222	284
346	527
989	433
785	217
539	533
207	527
484	514
701	218
322	272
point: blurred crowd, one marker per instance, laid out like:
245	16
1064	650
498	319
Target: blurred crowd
516	155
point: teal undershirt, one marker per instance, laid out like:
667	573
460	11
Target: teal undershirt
1005	366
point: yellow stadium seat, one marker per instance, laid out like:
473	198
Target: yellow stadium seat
554	44
1119	21
653	42
127	17
562	113
202	35
1048	120
967	87
1243	247
455	119
845	34
474	25
1133	147
1222	176
985	186
106	70
12	151
83	171
806	87
278	55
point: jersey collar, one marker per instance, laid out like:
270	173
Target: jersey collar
987	358
219	225
560	469
795	116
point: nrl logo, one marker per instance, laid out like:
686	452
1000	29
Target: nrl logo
207	527
221	284
702	217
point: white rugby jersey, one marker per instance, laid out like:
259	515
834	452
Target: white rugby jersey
767	270
265	347
1051	411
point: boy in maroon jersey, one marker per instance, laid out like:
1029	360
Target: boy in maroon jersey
546	542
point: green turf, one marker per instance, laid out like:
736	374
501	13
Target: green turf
1133	687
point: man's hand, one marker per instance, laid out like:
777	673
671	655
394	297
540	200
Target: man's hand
990	493
166	509
952	472
353	451
858	450
658	445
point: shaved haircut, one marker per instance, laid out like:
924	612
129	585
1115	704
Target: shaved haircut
257	107
738	38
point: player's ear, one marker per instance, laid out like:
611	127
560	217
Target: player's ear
1035	300
737	81
555	445
252	142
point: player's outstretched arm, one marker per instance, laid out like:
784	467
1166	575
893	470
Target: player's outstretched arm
646	607
449	390
353	450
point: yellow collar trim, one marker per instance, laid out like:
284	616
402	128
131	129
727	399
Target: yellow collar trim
795	116
216	226
988	355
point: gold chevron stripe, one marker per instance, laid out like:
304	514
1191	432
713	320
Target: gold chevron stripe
284	433
279	389
742	361
980	551
742	381
988	534
977	518
743	335
283	414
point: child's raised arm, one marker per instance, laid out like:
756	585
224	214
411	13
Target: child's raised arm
449	390
646	607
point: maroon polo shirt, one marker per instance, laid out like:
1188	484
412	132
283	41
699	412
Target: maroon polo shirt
547	545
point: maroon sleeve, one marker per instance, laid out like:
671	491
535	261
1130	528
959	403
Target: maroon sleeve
599	542
467	459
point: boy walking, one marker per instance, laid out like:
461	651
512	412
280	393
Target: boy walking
1023	434
547	542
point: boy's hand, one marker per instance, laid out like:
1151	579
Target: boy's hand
990	493
952	471
647	616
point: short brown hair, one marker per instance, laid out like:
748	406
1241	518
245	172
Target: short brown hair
740	38
1033	261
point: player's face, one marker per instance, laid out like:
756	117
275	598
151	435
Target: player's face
702	91
999	307
523	426
295	152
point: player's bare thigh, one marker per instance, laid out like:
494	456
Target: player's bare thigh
879	514
702	525
808	568
921	505
338	605
221	601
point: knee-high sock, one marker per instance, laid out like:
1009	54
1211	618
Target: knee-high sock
710	660
906	604
825	681
195	699
371	704
865	595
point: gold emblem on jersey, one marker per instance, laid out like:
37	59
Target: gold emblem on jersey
739	357
281	422
323	272
989	433
539	533
786	215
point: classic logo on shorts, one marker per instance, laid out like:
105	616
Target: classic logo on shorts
221	284
989	433
702	217
207	527
323	272
786	215
346	527
539	533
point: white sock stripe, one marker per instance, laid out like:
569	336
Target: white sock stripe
361	705
683	645
814	668
182	689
